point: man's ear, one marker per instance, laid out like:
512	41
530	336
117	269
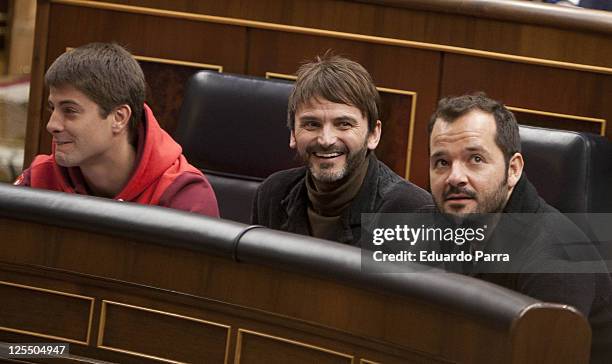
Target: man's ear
121	118
292	142
374	136
515	169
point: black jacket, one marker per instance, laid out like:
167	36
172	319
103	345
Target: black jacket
545	244
281	201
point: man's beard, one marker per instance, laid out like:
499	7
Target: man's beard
497	200
326	173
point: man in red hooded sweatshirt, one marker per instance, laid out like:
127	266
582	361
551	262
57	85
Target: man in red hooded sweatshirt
106	141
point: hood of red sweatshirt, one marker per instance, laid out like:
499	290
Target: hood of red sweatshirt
156	152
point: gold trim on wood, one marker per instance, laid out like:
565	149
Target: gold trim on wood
53	337
214	67
334	34
281	76
365	361
413	96
103	315
277	338
207	66
227	345
602	128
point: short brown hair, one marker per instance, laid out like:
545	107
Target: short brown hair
104	72
338	80
507	135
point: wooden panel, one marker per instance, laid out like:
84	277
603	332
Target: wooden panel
276	52
193	306
165	38
45	313
398	109
513	27
256	348
165	89
324	303
505	37
161	335
574	93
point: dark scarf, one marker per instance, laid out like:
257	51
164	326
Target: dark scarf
326	207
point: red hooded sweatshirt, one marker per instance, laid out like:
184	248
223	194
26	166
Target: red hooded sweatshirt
161	177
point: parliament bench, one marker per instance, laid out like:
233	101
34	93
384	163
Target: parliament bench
130	283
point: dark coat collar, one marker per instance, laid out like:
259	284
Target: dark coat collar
524	198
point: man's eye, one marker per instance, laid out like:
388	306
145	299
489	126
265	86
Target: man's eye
441	163
344	124
477	159
310	125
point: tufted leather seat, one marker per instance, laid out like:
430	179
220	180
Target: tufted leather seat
233	128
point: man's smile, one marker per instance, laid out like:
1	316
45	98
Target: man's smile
60	143
327	155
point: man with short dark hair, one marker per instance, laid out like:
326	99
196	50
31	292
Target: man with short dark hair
333	118
106	141
476	167
458	125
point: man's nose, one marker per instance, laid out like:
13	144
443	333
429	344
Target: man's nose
327	136
458	175
54	125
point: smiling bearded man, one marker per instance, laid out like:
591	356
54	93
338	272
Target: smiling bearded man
334	127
